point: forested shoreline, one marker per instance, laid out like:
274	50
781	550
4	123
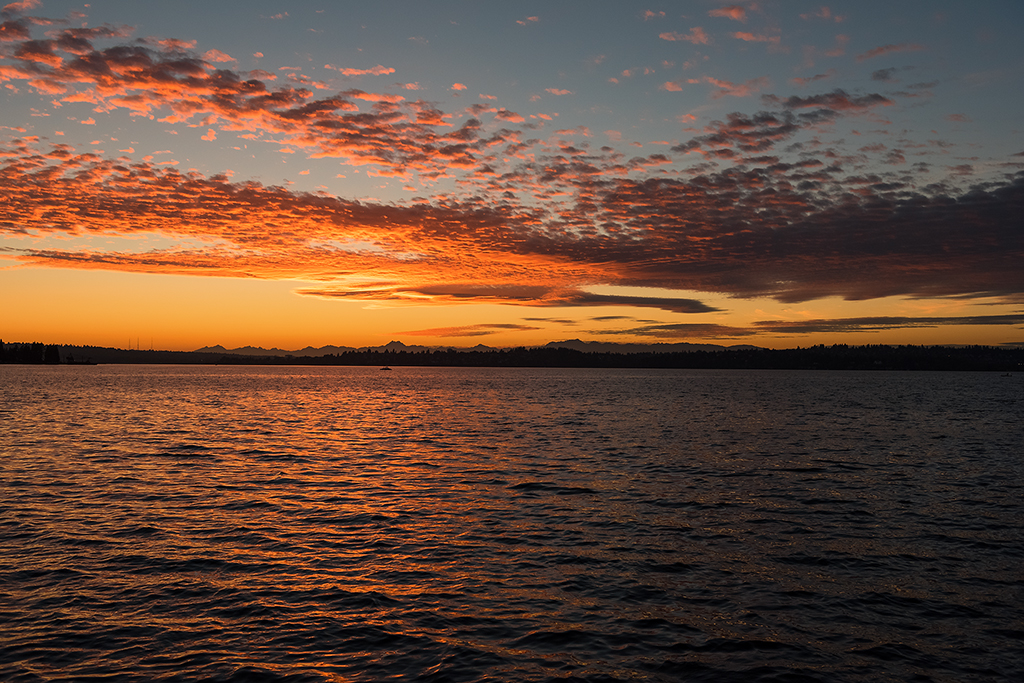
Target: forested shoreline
834	357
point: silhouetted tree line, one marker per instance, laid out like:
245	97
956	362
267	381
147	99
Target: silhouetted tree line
836	357
33	352
821	357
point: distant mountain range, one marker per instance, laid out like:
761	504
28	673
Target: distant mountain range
576	344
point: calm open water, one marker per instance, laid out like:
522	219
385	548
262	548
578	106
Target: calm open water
169	523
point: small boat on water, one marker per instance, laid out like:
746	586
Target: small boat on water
386	368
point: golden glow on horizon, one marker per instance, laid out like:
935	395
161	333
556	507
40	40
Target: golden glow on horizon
185	313
705	197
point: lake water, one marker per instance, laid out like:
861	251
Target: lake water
178	523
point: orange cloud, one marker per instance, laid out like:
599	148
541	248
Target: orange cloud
378	70
21	6
774	41
510	116
745	89
218	56
401	138
14	29
792	231
557	213
38	51
735	12
697	36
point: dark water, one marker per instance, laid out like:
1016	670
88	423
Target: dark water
347	524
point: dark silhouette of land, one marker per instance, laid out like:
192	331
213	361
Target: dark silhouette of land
835	357
34	352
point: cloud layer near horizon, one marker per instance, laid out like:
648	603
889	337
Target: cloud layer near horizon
749	231
755	205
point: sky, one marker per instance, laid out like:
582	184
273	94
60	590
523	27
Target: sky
182	174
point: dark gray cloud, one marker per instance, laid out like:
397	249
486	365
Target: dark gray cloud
682	331
791	231
879	323
885	75
838	101
817	326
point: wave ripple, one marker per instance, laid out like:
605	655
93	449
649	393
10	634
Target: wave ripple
168	523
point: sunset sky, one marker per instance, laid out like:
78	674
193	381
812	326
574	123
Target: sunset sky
181	174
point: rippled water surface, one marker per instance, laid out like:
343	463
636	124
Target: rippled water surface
346	524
